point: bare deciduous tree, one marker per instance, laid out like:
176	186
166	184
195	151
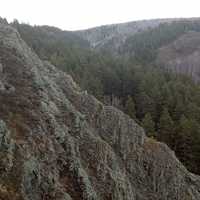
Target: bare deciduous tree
113	100
189	65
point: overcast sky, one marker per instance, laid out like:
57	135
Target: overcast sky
83	14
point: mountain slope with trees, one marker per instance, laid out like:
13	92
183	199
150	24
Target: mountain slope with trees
172	43
108	39
118	40
160	100
59	142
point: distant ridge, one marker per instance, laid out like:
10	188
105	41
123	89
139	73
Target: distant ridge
118	33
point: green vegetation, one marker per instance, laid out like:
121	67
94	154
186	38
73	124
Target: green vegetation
166	104
143	46
129	109
149	126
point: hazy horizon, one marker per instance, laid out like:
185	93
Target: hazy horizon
80	15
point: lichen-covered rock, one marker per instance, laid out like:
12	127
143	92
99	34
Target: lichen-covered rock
7	147
2	87
58	142
1	68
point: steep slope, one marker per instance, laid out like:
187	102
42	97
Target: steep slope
112	38
182	56
58	142
173	43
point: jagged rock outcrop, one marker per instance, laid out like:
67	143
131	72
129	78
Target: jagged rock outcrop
58	142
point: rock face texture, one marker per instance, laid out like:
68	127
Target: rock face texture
58	142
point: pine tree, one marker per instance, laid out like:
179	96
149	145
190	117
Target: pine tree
166	128
129	109
185	148
42	54
170	104
145	105
149	126
179	110
193	111
95	88
195	146
157	98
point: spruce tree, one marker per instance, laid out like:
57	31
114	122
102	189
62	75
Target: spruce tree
195	146
129	109
179	110
149	126
185	147
157	98
166	128
145	105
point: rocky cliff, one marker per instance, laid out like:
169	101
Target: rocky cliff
58	142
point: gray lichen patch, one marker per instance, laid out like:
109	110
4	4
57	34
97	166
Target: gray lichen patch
1	68
7	146
66	197
86	187
31	180
2	87
194	193
50	107
37	79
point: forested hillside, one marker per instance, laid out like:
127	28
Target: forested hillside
143	47
57	142
172	43
167	105
137	39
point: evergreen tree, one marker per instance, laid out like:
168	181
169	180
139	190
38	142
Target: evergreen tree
42	54
157	98
95	87
179	110
145	105
195	146
193	111
185	148
129	109
149	126
166	128
170	104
